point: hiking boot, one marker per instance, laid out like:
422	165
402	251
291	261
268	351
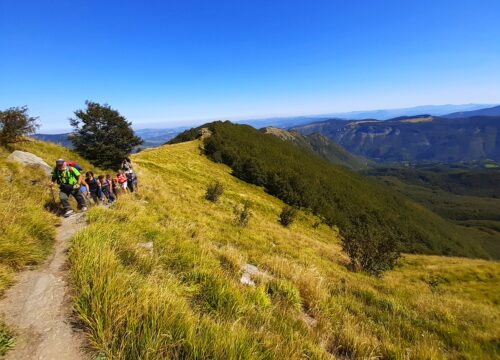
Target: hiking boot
68	213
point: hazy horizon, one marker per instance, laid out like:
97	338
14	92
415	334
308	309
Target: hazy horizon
244	119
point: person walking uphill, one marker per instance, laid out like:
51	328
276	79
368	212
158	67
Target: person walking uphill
69	180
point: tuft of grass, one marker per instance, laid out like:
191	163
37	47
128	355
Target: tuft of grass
243	213
185	299
6	339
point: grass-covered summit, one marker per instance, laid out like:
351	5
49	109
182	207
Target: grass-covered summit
342	198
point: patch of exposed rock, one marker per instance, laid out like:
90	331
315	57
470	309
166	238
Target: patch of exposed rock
29	159
250	271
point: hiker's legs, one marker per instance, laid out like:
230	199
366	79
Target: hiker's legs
95	197
108	195
130	185
79	198
64	201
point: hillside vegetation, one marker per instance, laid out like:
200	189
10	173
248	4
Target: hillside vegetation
183	298
342	198
27	229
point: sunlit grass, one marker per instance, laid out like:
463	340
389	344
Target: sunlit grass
27	230
184	299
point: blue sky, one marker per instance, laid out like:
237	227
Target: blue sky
179	62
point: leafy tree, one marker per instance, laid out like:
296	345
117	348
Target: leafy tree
16	123
102	135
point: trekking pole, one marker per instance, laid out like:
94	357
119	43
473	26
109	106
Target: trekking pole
53	196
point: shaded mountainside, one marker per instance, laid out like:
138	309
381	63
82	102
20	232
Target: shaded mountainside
421	138
322	146
341	197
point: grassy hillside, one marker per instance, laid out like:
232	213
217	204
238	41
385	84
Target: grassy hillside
342	198
27	230
183	298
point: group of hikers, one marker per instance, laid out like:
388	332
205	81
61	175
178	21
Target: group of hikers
101	189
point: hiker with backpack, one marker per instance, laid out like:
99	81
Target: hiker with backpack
127	165
114	185
106	189
94	188
69	180
122	180
131	180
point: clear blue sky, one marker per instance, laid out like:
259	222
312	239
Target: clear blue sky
181	61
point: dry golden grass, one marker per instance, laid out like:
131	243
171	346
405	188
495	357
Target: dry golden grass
184	300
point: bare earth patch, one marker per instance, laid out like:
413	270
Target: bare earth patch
37	307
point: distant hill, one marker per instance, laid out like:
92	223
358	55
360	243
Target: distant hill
419	139
60	139
151	137
380	114
491	111
321	146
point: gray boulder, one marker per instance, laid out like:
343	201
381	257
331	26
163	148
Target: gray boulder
29	159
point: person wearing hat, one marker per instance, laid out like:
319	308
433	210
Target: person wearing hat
69	180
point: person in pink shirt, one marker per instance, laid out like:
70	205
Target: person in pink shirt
122	180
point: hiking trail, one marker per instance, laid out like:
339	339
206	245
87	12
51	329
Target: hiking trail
37	307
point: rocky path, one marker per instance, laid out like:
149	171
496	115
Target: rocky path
37	307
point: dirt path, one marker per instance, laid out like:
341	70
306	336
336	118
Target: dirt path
37	307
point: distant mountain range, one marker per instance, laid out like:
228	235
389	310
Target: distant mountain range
492	111
446	133
383	114
151	137
419	138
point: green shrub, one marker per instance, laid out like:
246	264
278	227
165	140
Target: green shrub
287	216
369	248
214	191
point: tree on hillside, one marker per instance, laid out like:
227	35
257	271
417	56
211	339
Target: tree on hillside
102	135
369	247
15	123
